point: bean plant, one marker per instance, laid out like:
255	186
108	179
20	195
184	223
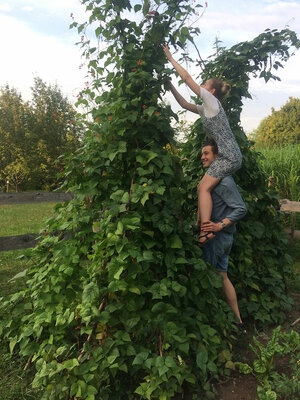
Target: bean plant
119	303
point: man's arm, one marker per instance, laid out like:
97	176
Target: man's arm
209	226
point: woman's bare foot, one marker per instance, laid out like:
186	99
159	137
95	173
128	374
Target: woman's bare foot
205	237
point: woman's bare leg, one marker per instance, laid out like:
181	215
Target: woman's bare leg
205	204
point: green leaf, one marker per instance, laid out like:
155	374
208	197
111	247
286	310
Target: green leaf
259	366
169	361
145	198
175	242
119	230
244	368
118	273
135	290
137	7
90	293
185	30
230	365
123	368
70	364
201	360
145	156
12	344
162	370
21	274
140	358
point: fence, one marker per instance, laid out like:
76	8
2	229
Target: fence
30	239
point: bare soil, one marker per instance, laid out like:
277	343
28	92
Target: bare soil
244	387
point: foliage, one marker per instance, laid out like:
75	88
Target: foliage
259	259
282	163
131	310
33	135
280	344
280	128
14	380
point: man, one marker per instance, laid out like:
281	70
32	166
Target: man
228	208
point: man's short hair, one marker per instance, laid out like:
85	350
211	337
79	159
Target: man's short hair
211	142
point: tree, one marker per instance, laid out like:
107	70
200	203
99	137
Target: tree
13	129
52	132
280	128
132	311
38	132
17	172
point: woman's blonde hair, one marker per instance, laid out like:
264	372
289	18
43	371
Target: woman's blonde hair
222	88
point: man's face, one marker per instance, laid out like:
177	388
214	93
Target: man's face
207	156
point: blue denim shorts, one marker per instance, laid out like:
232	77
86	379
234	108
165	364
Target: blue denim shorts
216	251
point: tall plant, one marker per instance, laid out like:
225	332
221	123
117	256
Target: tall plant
131	311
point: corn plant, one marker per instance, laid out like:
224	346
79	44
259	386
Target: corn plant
283	165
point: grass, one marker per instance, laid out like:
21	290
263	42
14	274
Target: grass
16	220
19	219
10	266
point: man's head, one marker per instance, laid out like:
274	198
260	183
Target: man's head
209	152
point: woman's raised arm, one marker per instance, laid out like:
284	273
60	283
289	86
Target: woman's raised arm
185	76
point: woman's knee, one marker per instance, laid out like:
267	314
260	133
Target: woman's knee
207	183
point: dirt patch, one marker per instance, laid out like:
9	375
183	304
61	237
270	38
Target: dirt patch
244	387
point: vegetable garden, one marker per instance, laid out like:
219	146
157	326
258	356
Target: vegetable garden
132	311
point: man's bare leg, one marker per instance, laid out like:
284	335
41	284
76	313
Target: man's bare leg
230	295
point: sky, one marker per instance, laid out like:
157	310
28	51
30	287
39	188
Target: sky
36	41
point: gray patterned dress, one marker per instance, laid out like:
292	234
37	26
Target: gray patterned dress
230	156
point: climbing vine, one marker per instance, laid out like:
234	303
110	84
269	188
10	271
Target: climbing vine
119	303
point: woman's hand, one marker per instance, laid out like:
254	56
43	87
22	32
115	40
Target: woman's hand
168	85
167	52
209	226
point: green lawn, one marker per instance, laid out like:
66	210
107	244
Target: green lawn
19	219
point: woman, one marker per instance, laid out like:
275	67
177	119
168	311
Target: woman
216	125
